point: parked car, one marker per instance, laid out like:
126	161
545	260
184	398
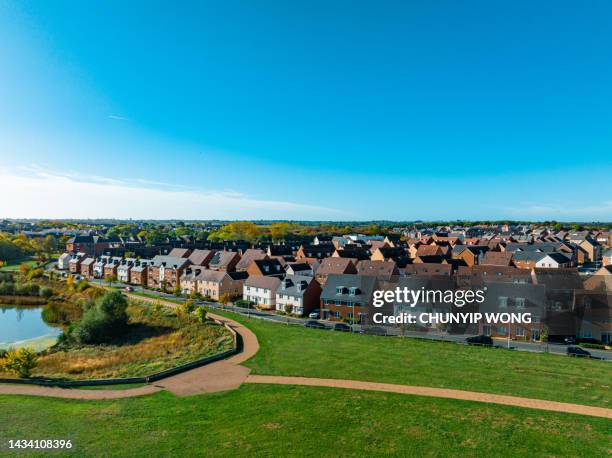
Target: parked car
128	289
480	340
314	314
374	331
314	324
569	340
342	327
578	352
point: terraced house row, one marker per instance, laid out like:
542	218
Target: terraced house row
335	276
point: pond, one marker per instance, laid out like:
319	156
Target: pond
24	327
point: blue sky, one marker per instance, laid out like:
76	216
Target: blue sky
324	110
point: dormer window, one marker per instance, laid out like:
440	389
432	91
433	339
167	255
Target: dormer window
340	289
353	290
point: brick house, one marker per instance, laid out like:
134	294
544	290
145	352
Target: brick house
86	269
139	272
398	255
315	251
346	297
165	272
201	257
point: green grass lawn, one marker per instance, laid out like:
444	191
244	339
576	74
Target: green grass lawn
299	421
15	265
298	351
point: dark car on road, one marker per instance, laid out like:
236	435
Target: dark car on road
480	340
579	352
374	331
342	327
314	324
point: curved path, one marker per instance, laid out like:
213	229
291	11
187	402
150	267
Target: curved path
228	374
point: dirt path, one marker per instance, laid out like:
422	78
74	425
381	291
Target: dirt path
436	392
229	374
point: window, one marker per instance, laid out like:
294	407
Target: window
350	315
501	329
336	314
339	289
520	302
520	332
503	301
486	330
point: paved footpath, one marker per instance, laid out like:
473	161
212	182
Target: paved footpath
228	374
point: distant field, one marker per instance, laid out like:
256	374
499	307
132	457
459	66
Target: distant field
298	351
299	421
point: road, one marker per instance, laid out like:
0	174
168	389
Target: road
559	349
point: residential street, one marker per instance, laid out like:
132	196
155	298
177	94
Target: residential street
554	348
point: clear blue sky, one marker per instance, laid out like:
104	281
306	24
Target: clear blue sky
325	110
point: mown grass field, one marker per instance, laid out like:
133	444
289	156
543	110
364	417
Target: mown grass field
269	420
156	340
298	351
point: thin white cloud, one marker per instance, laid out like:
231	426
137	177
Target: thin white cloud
41	193
118	118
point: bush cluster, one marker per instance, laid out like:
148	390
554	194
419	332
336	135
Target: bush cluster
104	321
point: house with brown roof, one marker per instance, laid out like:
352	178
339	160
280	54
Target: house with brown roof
471	254
315	251
248	256
397	255
86	267
428	269
497	258
266	267
180	252
224	260
335	266
201	257
384	270
213	283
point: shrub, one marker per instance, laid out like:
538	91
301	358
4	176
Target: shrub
104	321
20	362
242	303
35	273
82	286
188	307
7	288
46	292
201	314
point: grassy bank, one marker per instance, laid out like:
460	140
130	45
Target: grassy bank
156	340
301	421
298	351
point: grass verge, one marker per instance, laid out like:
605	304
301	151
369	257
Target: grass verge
299	421
298	351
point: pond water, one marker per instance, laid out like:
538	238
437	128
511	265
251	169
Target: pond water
25	327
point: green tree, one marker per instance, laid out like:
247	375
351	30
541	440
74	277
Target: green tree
104	321
20	362
110	279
